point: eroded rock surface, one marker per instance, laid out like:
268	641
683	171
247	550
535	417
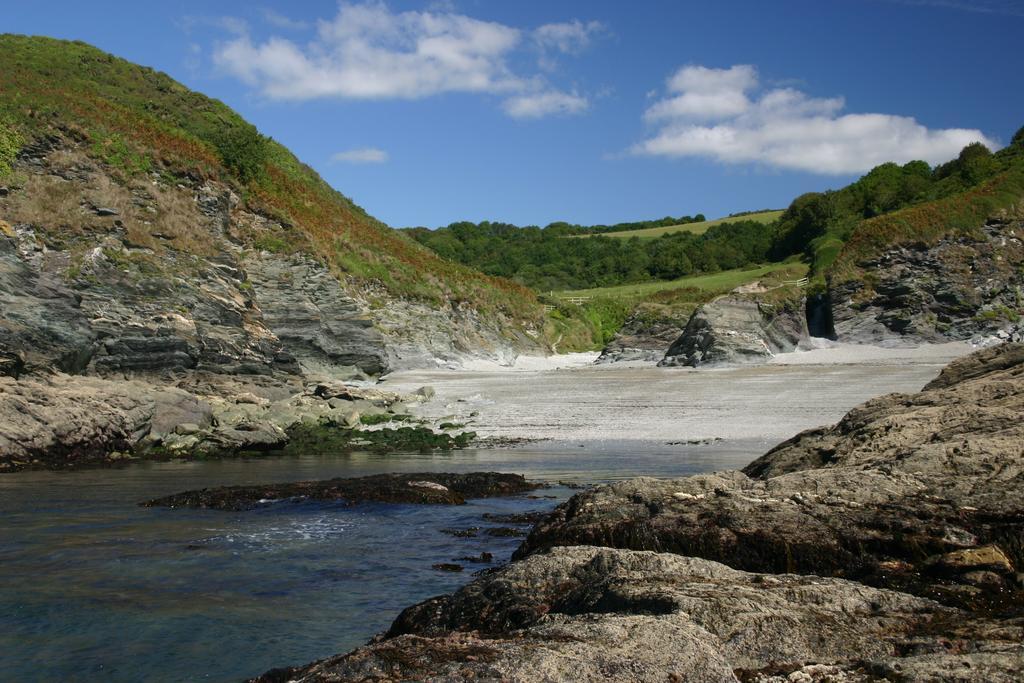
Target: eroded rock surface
63	421
307	310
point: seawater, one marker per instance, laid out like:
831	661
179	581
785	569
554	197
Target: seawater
95	588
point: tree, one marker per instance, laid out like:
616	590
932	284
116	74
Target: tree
1018	138
976	163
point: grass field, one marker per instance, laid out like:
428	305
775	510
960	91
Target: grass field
716	282
695	228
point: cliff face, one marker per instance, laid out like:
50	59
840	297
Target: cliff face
146	228
958	288
104	276
155	277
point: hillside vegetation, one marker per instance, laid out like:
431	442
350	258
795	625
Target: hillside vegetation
834	228
138	121
543	259
695	227
699	287
894	204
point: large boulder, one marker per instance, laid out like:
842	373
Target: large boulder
738	328
644	336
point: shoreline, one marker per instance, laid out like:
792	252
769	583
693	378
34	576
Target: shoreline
565	402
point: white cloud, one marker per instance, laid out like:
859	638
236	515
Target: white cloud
369	52
362	155
570	37
537	105
701	79
723	114
702	93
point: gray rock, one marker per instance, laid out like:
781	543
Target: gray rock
426	393
64	421
737	329
307	309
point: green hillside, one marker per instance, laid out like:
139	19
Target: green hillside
699	228
139	121
712	284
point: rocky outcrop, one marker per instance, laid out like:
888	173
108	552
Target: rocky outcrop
886	547
958	288
643	337
738	328
421	488
594	614
64	421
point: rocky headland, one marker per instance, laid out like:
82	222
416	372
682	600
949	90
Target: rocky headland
885	547
174	283
163	316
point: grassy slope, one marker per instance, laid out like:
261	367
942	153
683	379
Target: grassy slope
695	228
137	120
714	283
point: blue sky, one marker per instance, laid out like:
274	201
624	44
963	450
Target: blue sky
591	112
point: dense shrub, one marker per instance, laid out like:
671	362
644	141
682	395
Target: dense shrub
242	150
10	144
